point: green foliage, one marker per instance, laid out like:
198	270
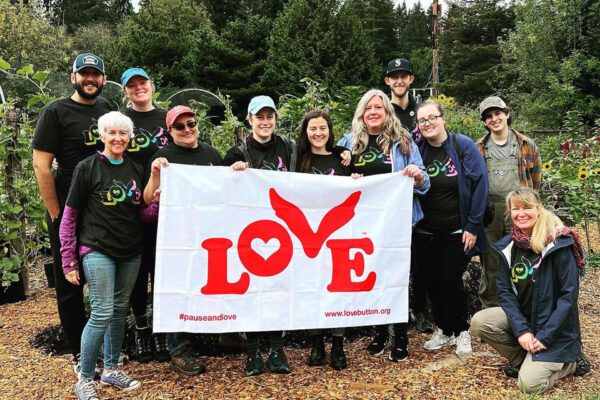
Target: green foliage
553	59
470	56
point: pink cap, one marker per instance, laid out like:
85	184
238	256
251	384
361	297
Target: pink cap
176	111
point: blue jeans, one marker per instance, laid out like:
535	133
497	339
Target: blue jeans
177	342
110	285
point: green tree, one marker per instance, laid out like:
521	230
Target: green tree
470	56
75	13
553	58
321	39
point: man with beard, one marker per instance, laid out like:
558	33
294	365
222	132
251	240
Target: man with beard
67	130
399	77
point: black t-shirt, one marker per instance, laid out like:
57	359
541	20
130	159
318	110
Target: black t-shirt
327	164
273	155
522	266
108	198
372	161
204	154
440	204
69	130
406	117
150	134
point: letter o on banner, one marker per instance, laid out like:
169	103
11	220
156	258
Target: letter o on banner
254	262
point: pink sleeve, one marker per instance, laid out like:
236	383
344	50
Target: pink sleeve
149	214
68	239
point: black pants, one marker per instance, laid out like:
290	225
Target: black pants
69	297
139	295
443	262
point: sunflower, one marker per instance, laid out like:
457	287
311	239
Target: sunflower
583	168
450	101
467	121
334	105
597	171
441	98
586	161
582	175
547	166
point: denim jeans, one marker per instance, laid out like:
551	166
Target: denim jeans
177	342
110	285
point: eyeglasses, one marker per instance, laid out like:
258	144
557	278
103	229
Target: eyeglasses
190	124
431	119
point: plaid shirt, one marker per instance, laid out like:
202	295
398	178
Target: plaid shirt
530	160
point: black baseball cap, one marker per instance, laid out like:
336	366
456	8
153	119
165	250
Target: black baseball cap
88	60
399	64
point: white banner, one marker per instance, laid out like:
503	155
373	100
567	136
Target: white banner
264	250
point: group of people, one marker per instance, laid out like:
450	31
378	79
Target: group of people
102	204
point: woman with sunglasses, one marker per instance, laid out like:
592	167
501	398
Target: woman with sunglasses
150	135
452	229
316	156
380	145
185	149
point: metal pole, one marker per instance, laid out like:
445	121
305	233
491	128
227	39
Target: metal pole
436	11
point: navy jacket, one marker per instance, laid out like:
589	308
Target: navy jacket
554	313
472	185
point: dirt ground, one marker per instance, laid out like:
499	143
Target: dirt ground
29	373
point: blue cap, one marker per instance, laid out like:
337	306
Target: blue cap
88	60
259	102
131	72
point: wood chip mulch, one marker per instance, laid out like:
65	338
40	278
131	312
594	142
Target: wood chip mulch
28	373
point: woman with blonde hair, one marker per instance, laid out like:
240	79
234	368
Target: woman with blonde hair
379	145
537	326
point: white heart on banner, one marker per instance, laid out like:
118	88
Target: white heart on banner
265	249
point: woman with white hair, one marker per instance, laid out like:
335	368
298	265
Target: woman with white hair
101	226
379	145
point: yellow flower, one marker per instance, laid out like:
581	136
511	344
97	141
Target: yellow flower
467	121
448	126
441	98
547	166
282	112
586	161
334	105
583	168
450	101
597	171
582	175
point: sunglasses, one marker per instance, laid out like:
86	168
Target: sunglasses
190	124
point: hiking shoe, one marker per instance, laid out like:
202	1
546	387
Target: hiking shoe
143	345
317	352
439	340
583	365
380	343
277	362
185	363
161	351
119	380
254	363
463	344
511	371
338	358
86	390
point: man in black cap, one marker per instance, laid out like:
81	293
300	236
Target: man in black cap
67	130
399	77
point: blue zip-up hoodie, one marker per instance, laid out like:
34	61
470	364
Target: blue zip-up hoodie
554	314
399	162
472	185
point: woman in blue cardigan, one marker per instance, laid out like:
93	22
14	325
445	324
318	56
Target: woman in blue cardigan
452	229
379	144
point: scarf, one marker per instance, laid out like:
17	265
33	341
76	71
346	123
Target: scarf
523	241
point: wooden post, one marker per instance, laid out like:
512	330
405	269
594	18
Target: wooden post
13	170
239	134
436	10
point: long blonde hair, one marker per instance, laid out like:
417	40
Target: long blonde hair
391	131
547	223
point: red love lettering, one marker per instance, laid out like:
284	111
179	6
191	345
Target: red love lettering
342	265
254	262
217	269
296	221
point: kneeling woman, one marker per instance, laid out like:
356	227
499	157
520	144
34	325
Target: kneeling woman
101	224
537	326
316	156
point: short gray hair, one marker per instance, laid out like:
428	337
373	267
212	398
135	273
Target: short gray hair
115	119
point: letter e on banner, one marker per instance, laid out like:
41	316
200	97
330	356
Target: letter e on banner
342	264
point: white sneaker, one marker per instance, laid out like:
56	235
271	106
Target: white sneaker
463	344
439	340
